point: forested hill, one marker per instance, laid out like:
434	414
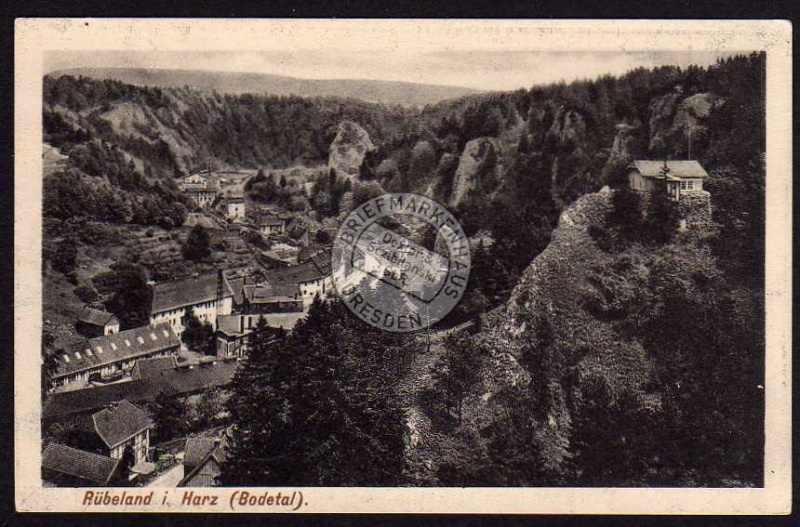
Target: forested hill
177	129
508	163
390	93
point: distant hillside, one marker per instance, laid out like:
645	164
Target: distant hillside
390	93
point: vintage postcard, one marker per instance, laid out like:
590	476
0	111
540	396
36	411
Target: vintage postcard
466	266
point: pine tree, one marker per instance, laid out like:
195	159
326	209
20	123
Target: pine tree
198	244
317	417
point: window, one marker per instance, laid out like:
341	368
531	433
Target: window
89	352
66	358
166	333
683	185
128	343
140	340
153	336
113	347
690	185
78	355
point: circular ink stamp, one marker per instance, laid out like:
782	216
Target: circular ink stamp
390	281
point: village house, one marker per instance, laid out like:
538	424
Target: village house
271	224
103	357
202	197
64	466
234	208
233	333
94	322
208	296
153	367
269	298
193	181
203	459
312	277
120	431
679	176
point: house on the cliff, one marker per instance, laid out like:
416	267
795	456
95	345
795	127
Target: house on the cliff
680	177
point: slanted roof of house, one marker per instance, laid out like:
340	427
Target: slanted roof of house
79	463
200	190
199	449
152	367
182	380
323	261
117	347
270	220
266	293
285	321
306	252
96	317
117	424
230	325
187	292
677	169
295	274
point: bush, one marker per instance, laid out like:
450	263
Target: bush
87	293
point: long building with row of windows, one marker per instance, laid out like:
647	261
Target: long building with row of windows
106	356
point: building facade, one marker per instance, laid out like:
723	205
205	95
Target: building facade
106	356
94	322
676	177
207	296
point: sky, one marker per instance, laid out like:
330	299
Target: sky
478	69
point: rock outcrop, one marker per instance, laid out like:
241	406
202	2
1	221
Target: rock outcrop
348	149
568	126
673	118
621	153
477	169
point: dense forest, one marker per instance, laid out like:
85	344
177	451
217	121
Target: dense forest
637	349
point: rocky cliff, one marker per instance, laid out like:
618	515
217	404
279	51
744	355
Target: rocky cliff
348	149
477	169
674	117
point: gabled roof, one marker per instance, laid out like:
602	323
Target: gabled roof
296	274
115	425
96	317
323	261
270	221
152	367
187	292
199	449
79	463
266	293
117	347
285	321
203	190
231	325
677	169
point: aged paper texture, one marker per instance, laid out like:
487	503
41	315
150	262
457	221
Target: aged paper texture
610	268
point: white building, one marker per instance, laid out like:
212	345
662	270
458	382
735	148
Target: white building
678	176
234	208
312	277
207	295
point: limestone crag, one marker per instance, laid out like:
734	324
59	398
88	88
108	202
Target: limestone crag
477	169
348	149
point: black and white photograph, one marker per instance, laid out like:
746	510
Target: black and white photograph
429	257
